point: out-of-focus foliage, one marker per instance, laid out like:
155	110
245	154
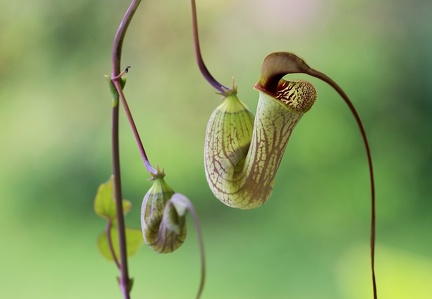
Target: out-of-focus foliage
105	207
310	240
134	241
104	204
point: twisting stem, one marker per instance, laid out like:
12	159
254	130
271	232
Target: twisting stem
147	164
116	58
204	71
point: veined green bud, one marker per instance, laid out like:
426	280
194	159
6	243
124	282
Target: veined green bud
163	220
242	155
163	224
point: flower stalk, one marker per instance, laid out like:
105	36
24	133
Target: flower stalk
278	64
222	89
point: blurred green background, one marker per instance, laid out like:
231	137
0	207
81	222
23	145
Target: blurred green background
310	240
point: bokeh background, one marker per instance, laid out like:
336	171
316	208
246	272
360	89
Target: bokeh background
310	240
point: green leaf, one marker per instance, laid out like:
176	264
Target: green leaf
134	240
113	89
130	285
104	203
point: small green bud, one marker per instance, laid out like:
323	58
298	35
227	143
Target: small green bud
163	225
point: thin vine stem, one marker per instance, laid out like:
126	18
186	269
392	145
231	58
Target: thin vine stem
124	273
222	89
202	254
354	112
110	243
181	200
125	281
129	116
278	64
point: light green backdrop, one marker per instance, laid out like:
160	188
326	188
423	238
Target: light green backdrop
309	241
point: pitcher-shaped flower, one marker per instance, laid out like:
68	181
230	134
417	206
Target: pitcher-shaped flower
242	155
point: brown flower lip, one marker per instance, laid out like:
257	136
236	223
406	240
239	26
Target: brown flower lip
299	95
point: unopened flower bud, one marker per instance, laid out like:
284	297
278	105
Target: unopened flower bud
163	225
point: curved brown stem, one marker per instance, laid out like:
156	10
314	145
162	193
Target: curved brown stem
182	202
201	65
140	145
354	112
278	64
